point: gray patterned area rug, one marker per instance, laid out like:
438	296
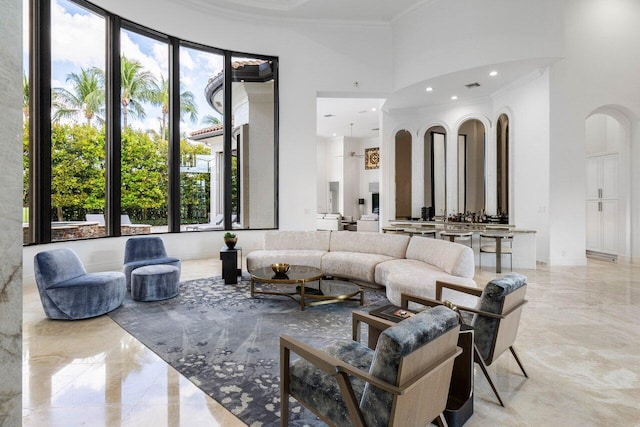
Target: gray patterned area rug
227	343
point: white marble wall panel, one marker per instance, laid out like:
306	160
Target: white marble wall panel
10	213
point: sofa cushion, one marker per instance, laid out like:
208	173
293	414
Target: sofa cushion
418	278
290	240
264	258
352	265
129	267
453	258
391	245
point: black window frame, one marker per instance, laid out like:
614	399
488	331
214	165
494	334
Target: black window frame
40	122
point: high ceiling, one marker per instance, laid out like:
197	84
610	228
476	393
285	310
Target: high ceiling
356	117
359	117
331	10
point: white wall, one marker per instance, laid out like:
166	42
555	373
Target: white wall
600	69
527	105
322	185
352	169
334	167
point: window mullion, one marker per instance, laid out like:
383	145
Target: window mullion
174	136
40	123
113	129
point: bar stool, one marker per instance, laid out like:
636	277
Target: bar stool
458	235
496	247
392	229
426	233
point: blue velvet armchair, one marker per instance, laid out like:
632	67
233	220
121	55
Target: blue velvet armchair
404	382
67	291
143	251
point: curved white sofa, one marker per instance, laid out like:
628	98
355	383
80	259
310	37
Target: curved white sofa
400	263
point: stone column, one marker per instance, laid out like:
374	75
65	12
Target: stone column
11	213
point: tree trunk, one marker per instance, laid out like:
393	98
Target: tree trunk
59	212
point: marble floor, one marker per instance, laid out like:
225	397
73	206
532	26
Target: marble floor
579	341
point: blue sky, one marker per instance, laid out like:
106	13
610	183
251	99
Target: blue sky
78	41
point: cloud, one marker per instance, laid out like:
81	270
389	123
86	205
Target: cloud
160	52
132	50
211	63
77	38
186	60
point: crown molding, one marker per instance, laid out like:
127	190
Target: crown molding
203	6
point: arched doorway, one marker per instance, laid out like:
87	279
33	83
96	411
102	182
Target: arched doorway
502	165
605	139
471	167
403	174
435	157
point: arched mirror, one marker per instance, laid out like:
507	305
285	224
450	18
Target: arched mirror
403	174
502	166
471	167
435	170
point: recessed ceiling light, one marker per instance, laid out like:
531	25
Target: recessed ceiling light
453	98
493	73
374	109
429	89
334	134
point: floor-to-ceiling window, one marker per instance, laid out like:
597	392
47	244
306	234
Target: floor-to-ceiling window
144	139
252	149
201	141
77	120
114	118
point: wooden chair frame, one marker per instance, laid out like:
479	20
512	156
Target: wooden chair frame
508	319
415	388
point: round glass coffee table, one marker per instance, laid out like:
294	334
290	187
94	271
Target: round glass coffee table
327	292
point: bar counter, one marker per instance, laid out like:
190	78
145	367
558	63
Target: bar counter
523	244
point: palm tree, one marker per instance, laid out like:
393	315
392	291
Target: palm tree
86	99
188	105
138	86
25	97
210	120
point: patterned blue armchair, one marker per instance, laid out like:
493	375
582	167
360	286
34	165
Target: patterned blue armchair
143	251
405	381
67	291
495	319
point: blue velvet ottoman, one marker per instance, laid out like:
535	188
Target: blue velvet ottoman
155	282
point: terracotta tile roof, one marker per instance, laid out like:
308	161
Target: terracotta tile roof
209	129
236	65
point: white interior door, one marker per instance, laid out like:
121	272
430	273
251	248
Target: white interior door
609	176
602	203
594	229
609	217
593	177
